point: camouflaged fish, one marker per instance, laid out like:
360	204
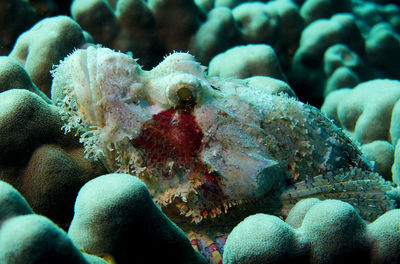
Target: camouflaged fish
210	150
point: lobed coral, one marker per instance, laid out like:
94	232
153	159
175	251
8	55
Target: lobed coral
368	114
115	215
42	242
14	76
37	158
44	45
247	61
315	231
145	27
16	17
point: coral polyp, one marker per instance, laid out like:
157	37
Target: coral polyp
210	150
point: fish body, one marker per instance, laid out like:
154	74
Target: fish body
210	150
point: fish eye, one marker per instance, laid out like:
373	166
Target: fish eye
185	95
183	90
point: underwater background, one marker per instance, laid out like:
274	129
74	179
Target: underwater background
199	131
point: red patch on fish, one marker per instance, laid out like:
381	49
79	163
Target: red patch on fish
172	134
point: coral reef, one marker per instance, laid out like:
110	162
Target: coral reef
29	238
355	36
369	13
141	27
307	71
247	61
217	34
381	41
315	231
367	30
14	76
207	28
212	144
381	152
312	10
369	115
16	17
37	158
115	214
146	29
106	204
44	45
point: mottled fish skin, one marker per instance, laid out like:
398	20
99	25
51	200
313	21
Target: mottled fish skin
211	151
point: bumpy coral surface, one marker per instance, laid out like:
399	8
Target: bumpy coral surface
369	113
116	217
27	238
44	45
210	150
315	231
